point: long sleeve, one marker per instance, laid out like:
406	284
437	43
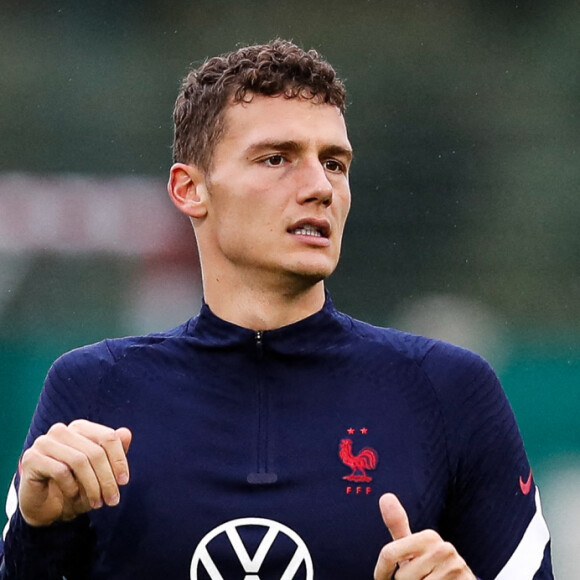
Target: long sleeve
495	518
62	549
50	553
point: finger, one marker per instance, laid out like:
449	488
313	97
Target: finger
48	490
399	557
87	458
72	452
397	522
394	516
37	469
113	442
432	558
126	437
421	555
386	565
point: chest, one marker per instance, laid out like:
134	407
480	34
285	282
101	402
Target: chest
273	468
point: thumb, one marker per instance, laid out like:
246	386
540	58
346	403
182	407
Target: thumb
126	436
394	516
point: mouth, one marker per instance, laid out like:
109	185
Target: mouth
312	228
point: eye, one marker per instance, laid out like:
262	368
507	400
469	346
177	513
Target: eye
274	160
334	166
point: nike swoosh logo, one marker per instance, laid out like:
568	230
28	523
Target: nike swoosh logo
526	486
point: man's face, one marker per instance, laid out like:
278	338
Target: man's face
278	190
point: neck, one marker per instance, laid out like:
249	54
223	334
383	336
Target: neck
263	308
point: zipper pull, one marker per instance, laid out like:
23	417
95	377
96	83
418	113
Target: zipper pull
259	345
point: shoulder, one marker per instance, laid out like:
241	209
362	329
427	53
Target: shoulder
459	382
451	370
456	385
97	358
88	381
428	353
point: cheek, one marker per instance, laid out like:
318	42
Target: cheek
244	224
235	211
343	206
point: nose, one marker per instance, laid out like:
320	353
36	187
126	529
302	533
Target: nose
314	185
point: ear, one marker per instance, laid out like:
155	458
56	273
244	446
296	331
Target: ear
186	188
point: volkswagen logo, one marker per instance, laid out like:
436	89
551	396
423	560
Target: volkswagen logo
297	563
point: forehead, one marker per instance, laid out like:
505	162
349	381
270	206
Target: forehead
279	118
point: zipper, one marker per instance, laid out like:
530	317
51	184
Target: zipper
259	344
262	475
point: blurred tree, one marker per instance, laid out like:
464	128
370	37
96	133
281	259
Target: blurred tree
464	119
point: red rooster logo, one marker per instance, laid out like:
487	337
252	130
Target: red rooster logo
366	460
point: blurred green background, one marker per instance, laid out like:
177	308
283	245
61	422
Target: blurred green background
465	120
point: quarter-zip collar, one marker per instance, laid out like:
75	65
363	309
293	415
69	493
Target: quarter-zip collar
321	330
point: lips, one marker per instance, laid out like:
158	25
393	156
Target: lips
311	227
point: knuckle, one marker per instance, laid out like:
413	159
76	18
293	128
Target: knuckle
119	461
430	536
77	424
79	461
29	456
42	444
95	454
62	472
39	443
107	437
56	429
387	554
445	550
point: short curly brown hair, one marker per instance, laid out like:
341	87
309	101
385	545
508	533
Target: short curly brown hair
277	68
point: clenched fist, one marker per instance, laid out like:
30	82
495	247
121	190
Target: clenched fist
71	470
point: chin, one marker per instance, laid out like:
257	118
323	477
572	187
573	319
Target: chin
313	273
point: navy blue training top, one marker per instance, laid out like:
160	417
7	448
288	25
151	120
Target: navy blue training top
262	455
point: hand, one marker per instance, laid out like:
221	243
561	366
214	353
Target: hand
71	470
420	556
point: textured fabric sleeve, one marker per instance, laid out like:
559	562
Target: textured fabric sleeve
493	514
54	552
62	550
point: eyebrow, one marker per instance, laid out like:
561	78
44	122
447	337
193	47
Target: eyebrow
293	147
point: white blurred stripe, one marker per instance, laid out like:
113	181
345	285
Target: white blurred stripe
527	558
11	506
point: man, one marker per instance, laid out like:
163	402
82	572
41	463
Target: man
271	436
